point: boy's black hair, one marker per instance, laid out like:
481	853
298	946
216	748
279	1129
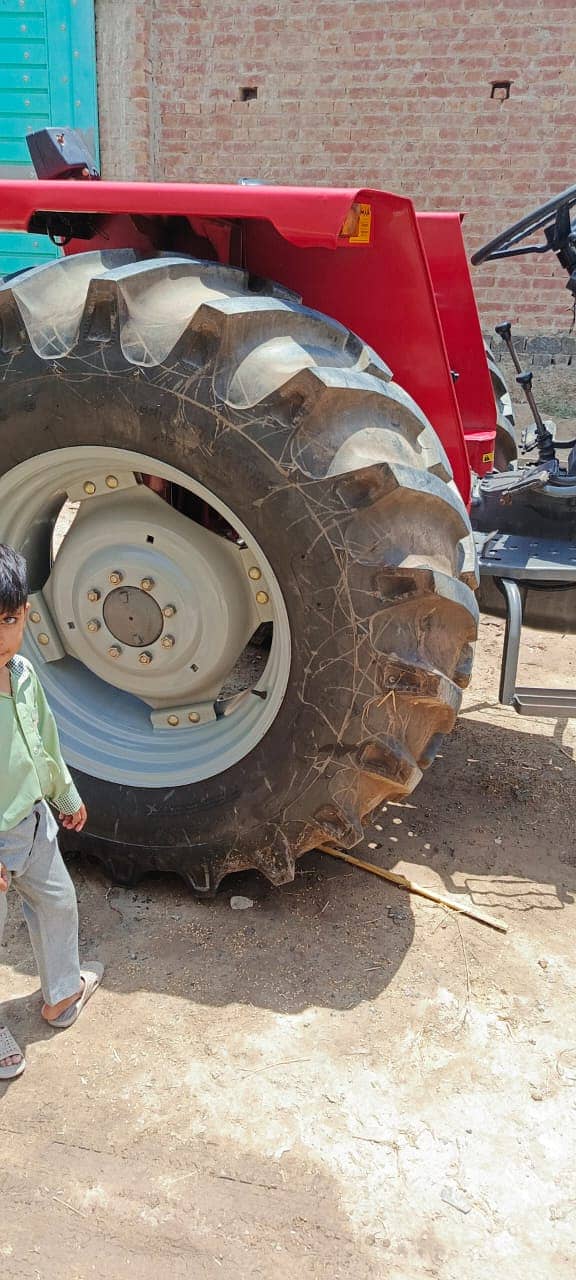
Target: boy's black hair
13	580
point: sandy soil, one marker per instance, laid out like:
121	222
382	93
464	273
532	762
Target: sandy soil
340	1081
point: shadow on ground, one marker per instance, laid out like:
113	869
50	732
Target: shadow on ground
335	937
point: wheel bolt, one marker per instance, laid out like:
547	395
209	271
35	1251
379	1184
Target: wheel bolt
167	642
114	651
169	611
115	577
254	573
194	717
89	487
112	482
262	597
35	617
147	584
93	595
94	625
43	638
145	659
173	721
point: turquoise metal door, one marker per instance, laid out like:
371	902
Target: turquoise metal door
47	77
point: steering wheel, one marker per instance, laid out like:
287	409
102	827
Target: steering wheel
553	218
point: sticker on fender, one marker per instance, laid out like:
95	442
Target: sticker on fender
357	227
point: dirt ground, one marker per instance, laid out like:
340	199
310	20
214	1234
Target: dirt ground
340	1081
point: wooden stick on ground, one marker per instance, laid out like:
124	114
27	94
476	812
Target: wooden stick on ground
404	883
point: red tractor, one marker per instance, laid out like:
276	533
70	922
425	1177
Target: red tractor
240	426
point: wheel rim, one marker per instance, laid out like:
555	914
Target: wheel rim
140	616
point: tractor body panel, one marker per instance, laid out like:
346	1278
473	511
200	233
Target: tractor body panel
398	279
448	264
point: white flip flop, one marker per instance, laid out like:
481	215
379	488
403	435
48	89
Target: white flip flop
91	975
9	1049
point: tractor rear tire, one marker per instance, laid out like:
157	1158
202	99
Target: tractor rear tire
298	427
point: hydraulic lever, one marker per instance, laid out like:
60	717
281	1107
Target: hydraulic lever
544	439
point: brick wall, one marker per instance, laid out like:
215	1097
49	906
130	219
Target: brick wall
389	93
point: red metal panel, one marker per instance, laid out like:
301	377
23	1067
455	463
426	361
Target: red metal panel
381	288
303	215
448	263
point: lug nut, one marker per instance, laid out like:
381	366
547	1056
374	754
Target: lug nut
89	487
167	642
254	573
114	651
35	617
147	584
94	625
173	721
262	597
115	577
43	638
93	595
169	611
145	659
112	482
194	717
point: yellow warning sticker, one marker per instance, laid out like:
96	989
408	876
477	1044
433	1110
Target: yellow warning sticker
488	457
363	228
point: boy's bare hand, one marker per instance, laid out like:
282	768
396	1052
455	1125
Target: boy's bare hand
3	878
74	821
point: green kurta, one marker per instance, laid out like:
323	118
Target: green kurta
31	764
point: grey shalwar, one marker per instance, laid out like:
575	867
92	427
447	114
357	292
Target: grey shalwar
37	872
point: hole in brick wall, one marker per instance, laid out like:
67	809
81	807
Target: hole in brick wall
501	90
248	93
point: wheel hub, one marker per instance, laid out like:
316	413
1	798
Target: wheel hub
140	616
181	609
133	616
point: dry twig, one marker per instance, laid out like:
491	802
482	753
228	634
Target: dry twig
403	882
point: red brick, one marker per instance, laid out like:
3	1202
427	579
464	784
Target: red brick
395	95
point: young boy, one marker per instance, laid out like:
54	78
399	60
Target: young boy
32	771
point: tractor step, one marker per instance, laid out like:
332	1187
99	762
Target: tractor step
545	702
518	564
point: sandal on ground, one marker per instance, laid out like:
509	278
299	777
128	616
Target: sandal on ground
91	975
9	1049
